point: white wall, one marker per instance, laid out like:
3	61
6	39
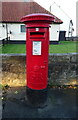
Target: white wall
15	29
57	11
18	35
2	31
77	18
54	32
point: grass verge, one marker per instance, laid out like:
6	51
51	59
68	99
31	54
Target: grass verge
62	47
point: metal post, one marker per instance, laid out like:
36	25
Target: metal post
7	31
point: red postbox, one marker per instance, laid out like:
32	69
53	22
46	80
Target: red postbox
37	45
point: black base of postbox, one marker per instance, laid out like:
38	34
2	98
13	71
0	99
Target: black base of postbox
36	98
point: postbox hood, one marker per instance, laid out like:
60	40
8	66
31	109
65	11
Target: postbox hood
38	17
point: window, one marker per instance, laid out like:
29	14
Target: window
23	28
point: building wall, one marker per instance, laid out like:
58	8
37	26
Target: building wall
16	33
15	29
57	11
2	31
77	18
54	32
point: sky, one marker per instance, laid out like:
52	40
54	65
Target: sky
68	6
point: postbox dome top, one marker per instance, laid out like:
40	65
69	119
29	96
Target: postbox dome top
38	17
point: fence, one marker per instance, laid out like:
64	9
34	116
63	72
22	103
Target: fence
72	38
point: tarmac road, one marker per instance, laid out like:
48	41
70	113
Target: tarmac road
59	103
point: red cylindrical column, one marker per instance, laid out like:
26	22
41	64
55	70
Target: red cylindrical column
37	42
37	46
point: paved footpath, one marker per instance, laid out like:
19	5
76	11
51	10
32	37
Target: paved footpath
60	103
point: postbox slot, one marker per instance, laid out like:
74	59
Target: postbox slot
36	34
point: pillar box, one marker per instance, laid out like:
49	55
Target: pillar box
37	46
